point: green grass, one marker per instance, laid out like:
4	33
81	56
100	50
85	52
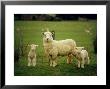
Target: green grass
32	33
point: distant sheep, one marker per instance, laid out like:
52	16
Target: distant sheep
32	55
82	57
55	48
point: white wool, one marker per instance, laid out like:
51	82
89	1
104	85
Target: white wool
54	48
82	56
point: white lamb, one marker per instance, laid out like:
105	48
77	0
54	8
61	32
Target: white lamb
32	55
55	48
82	57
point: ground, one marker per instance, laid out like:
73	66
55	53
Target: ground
83	32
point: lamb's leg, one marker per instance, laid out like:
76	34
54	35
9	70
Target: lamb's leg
79	64
88	60
54	62
29	61
51	62
82	63
34	61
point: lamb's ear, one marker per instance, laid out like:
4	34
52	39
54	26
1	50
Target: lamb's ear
53	32
37	45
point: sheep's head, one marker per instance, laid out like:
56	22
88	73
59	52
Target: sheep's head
76	51
47	36
33	46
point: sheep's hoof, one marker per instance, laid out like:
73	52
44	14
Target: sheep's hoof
88	62
82	66
78	66
68	62
54	65
34	65
28	65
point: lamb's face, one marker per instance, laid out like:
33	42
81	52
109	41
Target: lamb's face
76	51
33	46
47	36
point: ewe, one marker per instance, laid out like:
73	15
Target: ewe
32	55
55	48
82	57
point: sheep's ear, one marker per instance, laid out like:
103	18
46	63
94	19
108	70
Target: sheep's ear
42	33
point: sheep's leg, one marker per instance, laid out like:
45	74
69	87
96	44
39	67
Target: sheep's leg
79	64
29	62
82	63
51	62
34	61
87	61
69	59
54	63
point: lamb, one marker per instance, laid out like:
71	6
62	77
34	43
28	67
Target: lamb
82	57
32	55
54	48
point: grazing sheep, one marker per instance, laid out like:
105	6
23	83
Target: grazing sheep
32	55
82	57
55	48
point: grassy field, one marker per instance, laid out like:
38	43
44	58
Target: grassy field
83	32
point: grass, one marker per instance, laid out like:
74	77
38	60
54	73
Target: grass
32	33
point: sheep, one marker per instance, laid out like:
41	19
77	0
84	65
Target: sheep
54	48
32	55
53	36
82	57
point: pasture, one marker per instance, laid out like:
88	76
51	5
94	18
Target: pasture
83	32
